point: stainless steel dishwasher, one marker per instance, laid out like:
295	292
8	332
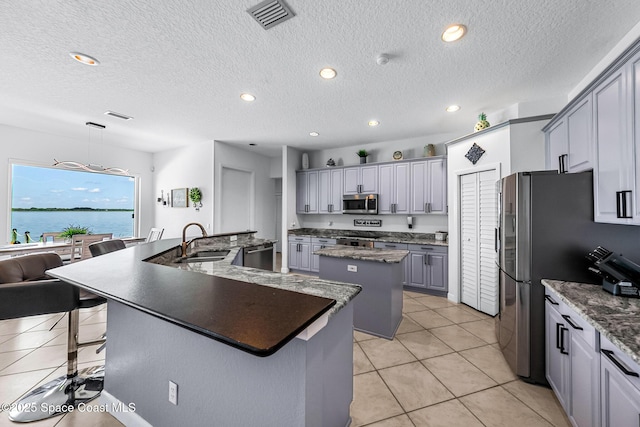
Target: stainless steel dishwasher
259	256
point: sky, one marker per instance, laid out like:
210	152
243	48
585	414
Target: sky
42	187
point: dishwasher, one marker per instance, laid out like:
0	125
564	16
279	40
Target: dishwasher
259	256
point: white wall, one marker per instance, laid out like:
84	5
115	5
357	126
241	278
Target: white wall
509	149
41	148
264	199
185	167
291	162
380	151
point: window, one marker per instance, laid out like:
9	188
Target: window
46	199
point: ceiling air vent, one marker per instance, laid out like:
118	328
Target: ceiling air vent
270	13
118	115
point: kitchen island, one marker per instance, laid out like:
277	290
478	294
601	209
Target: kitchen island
244	346
378	309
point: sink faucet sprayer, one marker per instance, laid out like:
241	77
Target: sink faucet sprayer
186	244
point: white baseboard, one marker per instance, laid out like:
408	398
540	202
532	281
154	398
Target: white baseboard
126	416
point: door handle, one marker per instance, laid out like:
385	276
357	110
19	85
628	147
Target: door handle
621	204
562	166
569	321
610	355
548	298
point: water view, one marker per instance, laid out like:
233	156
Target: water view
120	223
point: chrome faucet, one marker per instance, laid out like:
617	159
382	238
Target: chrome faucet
186	244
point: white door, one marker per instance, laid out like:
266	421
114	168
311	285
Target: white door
478	219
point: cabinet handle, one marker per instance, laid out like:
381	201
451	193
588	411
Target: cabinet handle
429	207
621	203
390	246
569	321
562	349
548	298
426	248
610	355
562	167
331	208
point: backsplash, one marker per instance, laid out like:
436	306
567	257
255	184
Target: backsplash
394	223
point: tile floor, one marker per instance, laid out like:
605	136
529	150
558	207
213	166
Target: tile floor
442	369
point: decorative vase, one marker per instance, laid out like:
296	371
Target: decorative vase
363	159
429	150
305	161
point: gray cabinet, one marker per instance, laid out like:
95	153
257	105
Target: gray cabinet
318	243
428	268
572	362
300	253
613	169
569	141
307	192
428	186
399	247
330	182
620	387
361	179
393	188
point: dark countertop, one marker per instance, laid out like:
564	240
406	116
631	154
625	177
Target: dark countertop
390	256
617	318
254	310
376	236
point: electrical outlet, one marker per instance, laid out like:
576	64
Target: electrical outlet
233	238
353	268
173	393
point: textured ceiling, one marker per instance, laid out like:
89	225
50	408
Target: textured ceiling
179	67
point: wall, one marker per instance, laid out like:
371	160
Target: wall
291	162
509	149
41	148
185	167
264	198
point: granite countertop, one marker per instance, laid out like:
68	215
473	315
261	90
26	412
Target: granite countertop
376	236
253	310
390	256
617	318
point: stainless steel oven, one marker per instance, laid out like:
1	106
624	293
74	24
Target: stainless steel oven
359	204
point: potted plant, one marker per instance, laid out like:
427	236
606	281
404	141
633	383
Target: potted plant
71	230
195	195
363	155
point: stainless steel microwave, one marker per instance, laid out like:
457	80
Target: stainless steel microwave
360	204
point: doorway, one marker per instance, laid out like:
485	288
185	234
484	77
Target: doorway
236	201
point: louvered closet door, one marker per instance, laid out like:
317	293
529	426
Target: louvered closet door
478	271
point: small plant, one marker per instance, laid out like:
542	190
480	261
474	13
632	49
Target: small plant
195	195
362	153
72	230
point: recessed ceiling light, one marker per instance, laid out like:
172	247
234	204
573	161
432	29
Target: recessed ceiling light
453	108
454	32
84	59
328	73
314	133
373	123
247	97
118	115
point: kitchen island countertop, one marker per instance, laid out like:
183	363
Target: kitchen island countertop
617	318
390	256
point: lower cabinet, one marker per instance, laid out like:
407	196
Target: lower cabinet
572	362
299	253
428	268
620	387
318	243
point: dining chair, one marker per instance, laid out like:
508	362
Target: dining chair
155	234
55	236
80	245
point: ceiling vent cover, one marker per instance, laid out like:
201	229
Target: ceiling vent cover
270	13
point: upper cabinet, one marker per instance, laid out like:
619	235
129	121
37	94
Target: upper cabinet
361	179
307	192
415	186
600	130
330	191
393	188
569	141
429	186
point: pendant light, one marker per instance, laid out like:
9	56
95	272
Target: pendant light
89	167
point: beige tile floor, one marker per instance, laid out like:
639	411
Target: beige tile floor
442	369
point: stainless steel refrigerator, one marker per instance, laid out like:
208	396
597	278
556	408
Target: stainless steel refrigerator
545	230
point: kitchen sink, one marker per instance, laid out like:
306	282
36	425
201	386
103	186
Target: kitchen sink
205	256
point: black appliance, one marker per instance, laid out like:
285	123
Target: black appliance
545	229
260	256
355	242
620	276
